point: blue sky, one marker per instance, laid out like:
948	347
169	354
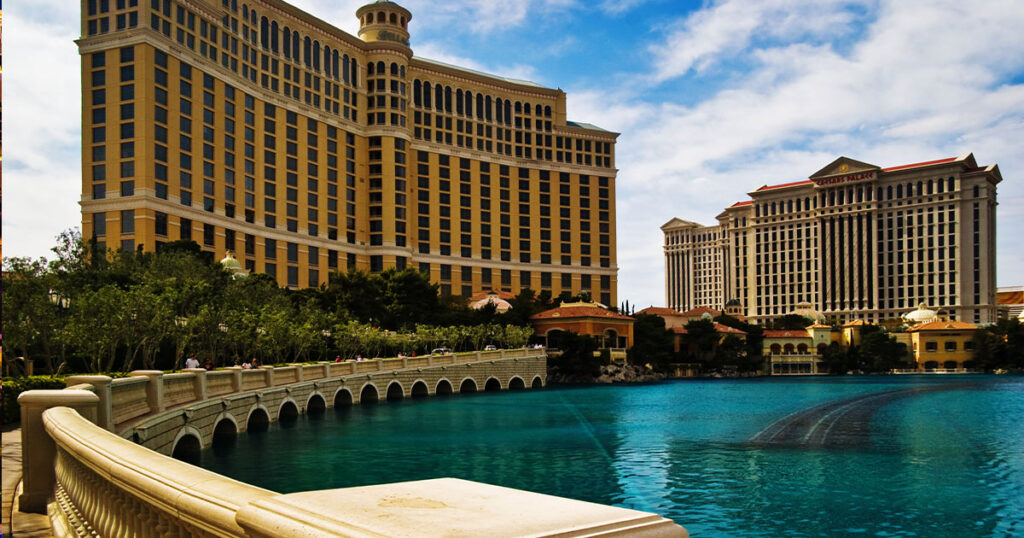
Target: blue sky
713	99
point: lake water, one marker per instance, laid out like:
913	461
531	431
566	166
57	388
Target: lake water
944	458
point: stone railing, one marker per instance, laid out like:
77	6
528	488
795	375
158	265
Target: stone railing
79	466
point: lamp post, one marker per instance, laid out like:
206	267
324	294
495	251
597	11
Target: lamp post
63	303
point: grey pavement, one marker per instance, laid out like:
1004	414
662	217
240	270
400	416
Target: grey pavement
16	523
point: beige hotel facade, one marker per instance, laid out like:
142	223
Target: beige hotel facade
254	127
854	241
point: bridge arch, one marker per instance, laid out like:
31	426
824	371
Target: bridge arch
395	391
225	426
315	404
258	419
537	383
188	443
443	388
288	412
492	385
516	383
419	389
369	393
468	385
342	397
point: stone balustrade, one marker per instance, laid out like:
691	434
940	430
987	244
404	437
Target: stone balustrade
95	456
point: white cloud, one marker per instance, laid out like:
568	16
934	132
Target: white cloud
42	152
433	51
921	81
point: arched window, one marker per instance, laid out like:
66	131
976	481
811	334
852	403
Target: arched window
327	61
519	107
508	112
335	63
381	68
822	348
344	68
245	11
274	32
789	207
788	349
458	101
547	111
426	95
447	99
316	55
469	104
950	186
801	349
488	104
394	69
439	96
899	191
264	32
295	46
930	187
307	51
401	71
370	67
354	67
499	105
381	17
776	349
287	49
417	87
537	110
888	192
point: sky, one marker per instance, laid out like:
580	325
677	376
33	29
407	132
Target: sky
712	99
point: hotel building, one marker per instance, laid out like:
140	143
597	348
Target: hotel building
254	127
854	241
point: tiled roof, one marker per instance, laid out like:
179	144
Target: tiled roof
856	323
719	328
784	185
819	326
700	311
660	311
943	326
916	165
743	203
579	311
787	334
484	293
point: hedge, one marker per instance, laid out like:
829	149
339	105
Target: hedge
12	387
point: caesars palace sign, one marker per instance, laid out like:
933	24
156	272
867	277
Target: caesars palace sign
848	178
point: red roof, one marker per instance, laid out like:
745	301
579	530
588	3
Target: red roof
787	334
743	203
700	311
660	311
791	184
915	165
943	326
484	293
719	328
579	311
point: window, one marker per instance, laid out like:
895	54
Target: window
128	222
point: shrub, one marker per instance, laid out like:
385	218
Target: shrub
12	387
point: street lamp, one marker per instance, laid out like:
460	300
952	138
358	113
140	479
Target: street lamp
59	299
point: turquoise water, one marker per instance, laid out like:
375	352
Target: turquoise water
946	462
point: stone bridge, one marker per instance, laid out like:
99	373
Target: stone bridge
180	414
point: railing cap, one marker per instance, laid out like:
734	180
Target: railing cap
57	397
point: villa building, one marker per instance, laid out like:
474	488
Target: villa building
854	241
254	127
613	330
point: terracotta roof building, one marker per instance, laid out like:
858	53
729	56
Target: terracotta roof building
615	330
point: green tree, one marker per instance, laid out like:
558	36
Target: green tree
732	352
879	351
701	334
791	322
652	342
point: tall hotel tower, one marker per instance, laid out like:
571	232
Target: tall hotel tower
254	127
855	241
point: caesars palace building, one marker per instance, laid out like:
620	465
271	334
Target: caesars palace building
854	241
253	127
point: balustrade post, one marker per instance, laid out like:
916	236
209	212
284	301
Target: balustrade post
479	356
298	372
38	450
200	382
236	378
101	387
154	389
405	362
268	375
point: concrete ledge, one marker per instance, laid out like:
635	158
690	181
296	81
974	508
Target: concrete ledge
443	506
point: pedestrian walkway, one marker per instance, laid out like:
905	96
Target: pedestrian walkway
21	525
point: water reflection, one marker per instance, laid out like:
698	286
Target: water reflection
940	463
